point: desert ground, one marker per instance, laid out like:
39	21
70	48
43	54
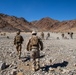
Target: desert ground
57	58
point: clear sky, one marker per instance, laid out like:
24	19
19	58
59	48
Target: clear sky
36	9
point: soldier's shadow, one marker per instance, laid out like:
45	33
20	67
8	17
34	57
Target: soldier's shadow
24	59
46	68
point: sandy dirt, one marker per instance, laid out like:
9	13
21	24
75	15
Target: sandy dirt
57	58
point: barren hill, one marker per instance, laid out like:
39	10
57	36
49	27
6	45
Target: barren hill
45	24
12	23
65	26
48	24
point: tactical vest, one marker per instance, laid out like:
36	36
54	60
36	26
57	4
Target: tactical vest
18	39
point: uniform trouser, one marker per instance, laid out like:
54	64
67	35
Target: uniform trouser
18	48
35	57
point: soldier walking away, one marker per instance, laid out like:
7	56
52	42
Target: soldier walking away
62	35
71	35
35	45
42	35
48	35
18	40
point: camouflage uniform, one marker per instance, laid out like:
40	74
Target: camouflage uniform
48	35
71	35
18	44
62	35
42	35
35	52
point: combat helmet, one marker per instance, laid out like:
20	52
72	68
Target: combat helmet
18	32
34	32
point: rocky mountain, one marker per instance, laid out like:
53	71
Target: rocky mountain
65	26
48	24
12	23
45	24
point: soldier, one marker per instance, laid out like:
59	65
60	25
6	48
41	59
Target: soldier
42	35
18	40
71	35
48	35
62	35
35	45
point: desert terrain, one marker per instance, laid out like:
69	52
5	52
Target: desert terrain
57	58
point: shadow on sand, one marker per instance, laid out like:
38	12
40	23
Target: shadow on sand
46	68
24	59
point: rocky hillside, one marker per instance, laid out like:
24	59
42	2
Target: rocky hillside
48	24
45	24
65	26
12	23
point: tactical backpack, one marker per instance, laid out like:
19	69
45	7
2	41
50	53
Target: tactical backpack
18	39
34	41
